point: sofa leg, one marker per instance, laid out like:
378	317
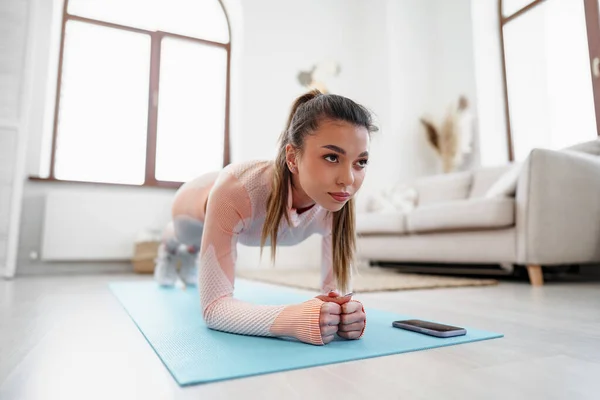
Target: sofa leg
535	275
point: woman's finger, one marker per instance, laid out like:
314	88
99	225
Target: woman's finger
350	335
346	319
328	330
351	306
337	300
331	308
329	319
330	314
328	339
356	326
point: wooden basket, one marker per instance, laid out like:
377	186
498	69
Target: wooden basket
143	257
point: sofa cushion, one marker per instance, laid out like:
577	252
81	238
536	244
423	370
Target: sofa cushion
443	188
479	213
506	185
484	178
590	147
381	223
398	198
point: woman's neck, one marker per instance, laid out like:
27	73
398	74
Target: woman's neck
300	200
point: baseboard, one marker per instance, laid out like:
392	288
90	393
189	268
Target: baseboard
461	269
75	268
584	271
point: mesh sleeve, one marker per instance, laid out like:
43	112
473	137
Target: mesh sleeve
228	209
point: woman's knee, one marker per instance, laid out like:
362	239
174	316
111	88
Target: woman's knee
188	230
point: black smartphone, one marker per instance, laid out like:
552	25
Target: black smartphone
430	328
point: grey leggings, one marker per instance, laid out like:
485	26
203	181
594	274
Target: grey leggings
188	231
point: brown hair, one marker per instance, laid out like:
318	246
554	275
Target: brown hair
306	113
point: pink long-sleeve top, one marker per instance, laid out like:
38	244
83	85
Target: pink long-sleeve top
235	212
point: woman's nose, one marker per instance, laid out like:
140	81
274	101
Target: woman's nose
346	177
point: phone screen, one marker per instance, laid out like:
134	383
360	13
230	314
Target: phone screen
430	325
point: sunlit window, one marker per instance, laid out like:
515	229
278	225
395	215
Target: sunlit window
103	116
203	19
510	7
191	115
142	95
549	83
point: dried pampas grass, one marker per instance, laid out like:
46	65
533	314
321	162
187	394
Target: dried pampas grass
452	141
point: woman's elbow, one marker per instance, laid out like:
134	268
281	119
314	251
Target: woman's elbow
209	315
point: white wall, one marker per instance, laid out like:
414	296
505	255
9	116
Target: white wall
46	40
423	56
14	98
410	48
488	73
90	224
402	59
8	144
455	74
281	38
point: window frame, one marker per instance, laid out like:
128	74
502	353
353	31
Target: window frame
153	98
593	36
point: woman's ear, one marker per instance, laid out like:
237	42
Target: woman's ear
290	158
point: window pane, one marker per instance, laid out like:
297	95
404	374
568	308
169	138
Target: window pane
202	19
191	110
548	75
510	7
103	114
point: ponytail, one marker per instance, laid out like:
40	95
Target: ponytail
282	178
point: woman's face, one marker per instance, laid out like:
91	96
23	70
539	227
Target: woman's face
332	167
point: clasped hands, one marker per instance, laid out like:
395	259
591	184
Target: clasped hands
341	315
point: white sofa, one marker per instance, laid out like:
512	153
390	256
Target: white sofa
542	212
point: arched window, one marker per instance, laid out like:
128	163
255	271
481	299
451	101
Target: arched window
552	89
142	92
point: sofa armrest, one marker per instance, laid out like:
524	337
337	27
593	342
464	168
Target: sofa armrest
558	208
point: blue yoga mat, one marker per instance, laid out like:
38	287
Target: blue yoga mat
171	321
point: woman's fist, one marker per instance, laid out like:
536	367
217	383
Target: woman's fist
329	320
341	315
352	320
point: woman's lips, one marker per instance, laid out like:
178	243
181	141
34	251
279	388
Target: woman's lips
341	197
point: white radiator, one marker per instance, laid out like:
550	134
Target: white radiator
81	226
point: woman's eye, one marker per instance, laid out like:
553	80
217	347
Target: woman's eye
331	158
363	163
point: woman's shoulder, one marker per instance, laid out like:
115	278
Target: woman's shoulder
250	167
243	184
251	174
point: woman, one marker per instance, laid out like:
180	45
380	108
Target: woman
308	189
